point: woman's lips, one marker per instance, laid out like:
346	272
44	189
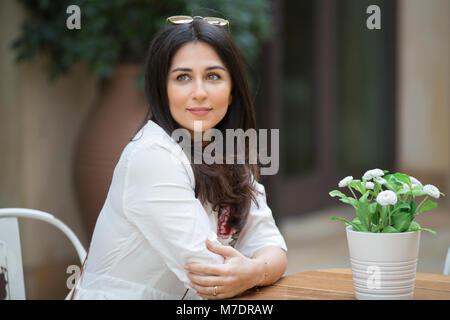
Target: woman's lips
199	112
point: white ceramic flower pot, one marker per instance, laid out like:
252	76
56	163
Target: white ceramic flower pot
383	264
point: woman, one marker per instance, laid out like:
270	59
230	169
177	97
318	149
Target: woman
170	228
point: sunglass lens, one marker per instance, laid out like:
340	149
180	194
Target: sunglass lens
216	21
180	19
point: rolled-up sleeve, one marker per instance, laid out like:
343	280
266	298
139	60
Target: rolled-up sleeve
260	229
160	201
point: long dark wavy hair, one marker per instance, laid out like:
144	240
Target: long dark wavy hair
219	184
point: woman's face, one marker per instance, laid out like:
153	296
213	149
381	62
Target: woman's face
198	86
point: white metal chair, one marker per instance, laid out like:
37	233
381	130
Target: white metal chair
447	263
11	269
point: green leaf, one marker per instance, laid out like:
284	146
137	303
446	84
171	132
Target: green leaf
417	191
400	206
403	178
377	228
374	215
401	221
362	215
428	205
413	226
429	230
389	229
354	225
391	180
383	214
413	206
364	197
392	183
357	185
362	212
350	201
403	191
358	224
393	186
337	193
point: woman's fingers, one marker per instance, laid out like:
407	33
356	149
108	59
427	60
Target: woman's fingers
210	269
225	251
212	297
205	280
208	291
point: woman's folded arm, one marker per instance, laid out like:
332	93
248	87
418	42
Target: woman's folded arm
160	201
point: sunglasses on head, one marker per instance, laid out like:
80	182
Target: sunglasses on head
188	19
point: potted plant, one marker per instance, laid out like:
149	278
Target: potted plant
383	238
112	42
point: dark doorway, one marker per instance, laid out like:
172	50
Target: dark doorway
327	82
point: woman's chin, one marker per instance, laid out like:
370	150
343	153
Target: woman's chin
200	125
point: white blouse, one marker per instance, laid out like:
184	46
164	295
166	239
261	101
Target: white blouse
151	225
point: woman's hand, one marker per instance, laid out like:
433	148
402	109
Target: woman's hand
237	274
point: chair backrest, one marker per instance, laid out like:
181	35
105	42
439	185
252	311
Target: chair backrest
447	263
10	261
11	268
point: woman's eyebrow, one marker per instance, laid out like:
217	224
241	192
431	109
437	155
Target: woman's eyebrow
190	70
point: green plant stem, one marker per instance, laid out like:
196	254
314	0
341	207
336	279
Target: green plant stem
377	188
377	228
382	218
405	197
418	207
389	216
353	193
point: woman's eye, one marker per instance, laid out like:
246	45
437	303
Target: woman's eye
183	77
213	76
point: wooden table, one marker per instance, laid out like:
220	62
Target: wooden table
337	284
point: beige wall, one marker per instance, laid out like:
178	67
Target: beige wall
39	124
424	85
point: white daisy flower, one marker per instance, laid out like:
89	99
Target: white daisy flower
414	181
432	191
373	173
379	180
387	197
370	185
405	186
344	182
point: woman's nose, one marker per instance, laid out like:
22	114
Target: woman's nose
199	90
